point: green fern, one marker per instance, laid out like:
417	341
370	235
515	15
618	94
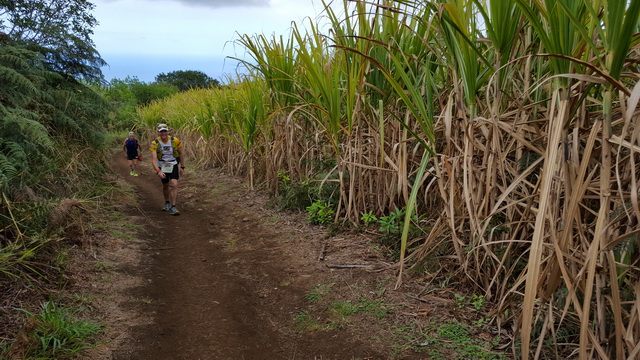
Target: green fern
38	106
7	171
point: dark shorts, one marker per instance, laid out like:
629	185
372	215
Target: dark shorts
132	155
175	174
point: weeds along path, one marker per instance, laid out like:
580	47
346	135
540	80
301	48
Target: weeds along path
220	280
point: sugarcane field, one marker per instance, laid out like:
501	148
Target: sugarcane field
389	179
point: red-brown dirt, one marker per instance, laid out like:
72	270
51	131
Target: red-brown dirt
225	279
234	278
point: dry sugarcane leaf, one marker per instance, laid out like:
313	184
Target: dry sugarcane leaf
616	307
537	242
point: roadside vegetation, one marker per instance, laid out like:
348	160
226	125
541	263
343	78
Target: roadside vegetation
489	144
59	121
492	141
52	164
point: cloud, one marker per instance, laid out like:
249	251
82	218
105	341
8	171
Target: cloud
224	3
212	3
209	3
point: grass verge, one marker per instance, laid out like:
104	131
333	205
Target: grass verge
55	332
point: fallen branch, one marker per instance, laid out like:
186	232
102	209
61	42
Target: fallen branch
338	266
430	299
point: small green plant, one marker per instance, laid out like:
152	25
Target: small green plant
318	292
453	331
58	333
391	224
341	312
304	321
453	340
62	259
84	300
344	309
320	212
391	227
376	308
405	337
444	282
296	195
482	323
461	300
368	218
477	301
283	177
467	249
300	195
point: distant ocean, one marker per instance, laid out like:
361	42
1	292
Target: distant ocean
146	67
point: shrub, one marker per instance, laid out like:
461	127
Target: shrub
320	212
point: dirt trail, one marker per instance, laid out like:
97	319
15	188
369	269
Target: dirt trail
224	280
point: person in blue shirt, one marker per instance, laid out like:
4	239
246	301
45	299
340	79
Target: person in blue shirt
131	148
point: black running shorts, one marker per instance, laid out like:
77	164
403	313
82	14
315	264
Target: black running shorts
175	174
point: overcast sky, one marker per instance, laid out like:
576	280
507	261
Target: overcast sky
143	38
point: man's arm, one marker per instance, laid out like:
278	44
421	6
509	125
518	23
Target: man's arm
154	161
181	170
181	156
154	158
156	166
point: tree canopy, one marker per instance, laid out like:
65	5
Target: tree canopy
189	79
45	49
126	95
38	106
60	30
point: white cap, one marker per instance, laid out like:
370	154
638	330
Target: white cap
163	127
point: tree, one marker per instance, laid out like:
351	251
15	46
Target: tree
37	108
126	95
185	80
145	93
58	29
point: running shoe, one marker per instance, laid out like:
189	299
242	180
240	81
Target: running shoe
174	211
166	207
131	173
135	173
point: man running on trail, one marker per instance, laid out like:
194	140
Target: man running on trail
131	147
168	162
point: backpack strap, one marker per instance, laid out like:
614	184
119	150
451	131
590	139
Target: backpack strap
159	149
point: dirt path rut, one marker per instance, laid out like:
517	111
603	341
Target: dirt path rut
224	280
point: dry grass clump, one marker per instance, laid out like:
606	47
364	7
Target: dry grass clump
60	214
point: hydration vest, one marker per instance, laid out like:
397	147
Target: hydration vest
159	148
132	145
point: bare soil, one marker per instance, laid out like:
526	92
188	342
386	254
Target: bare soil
227	278
234	278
